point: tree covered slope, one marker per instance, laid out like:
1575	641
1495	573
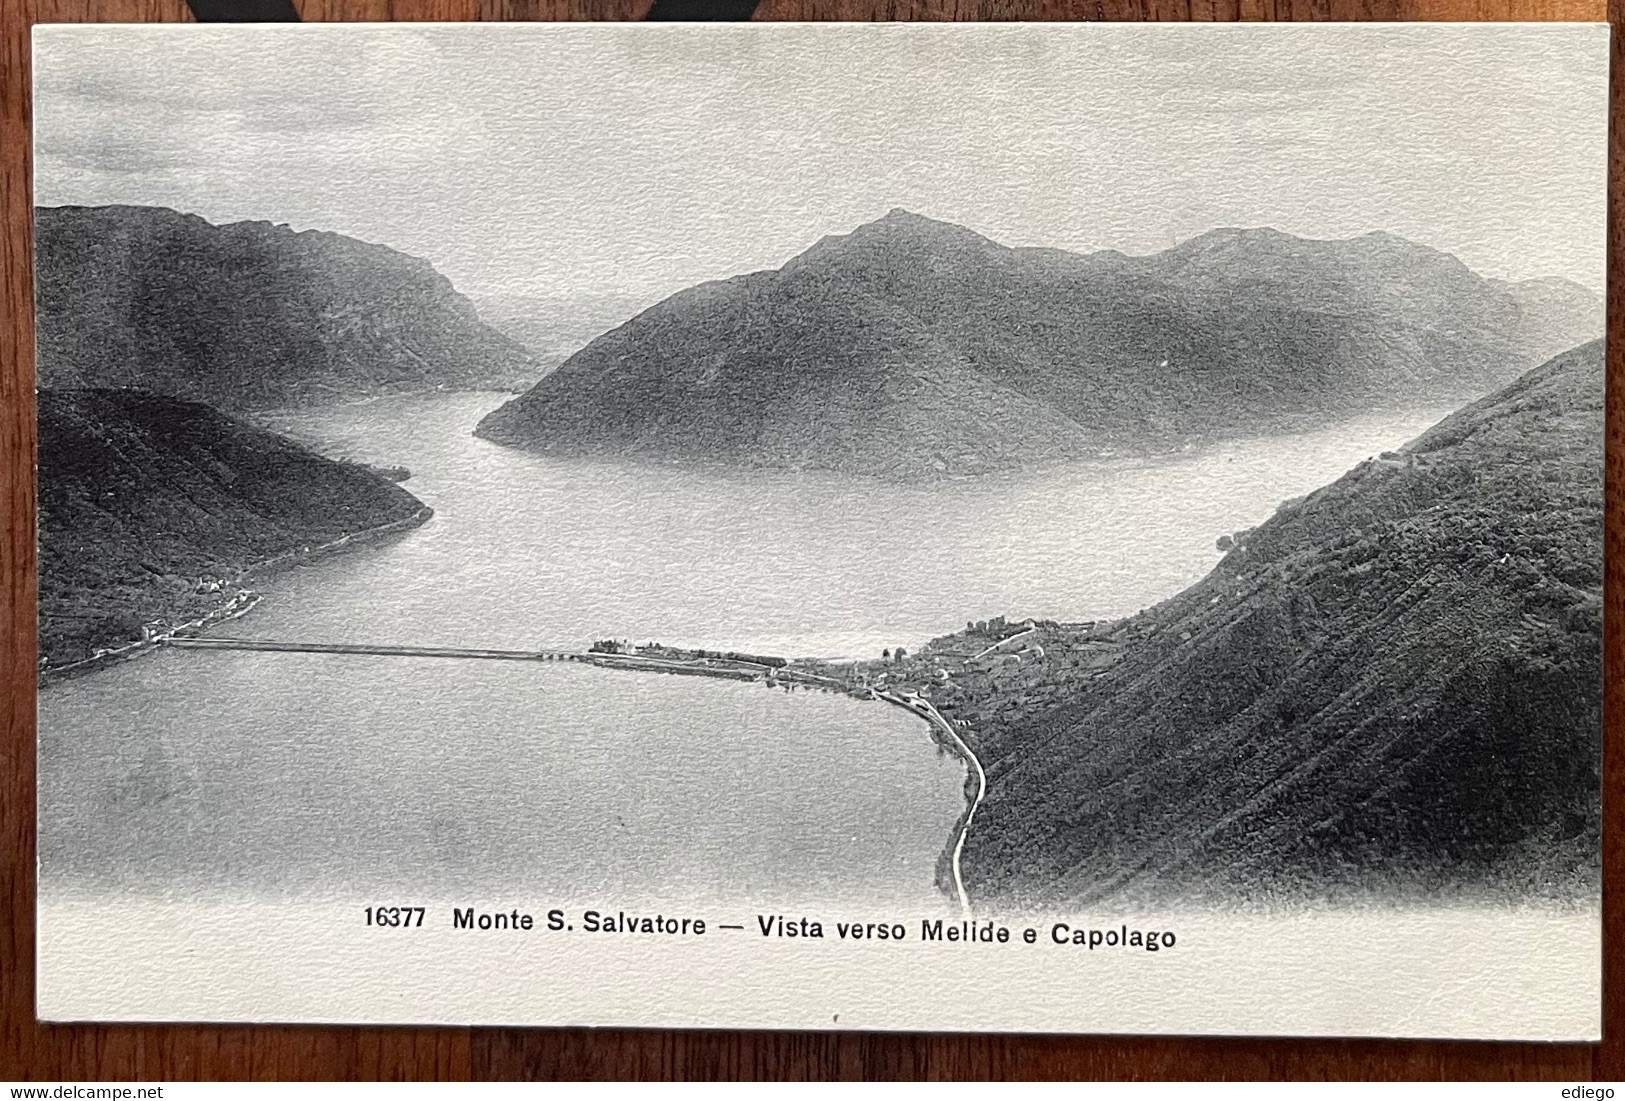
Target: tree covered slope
1391	688
915	347
249	315
151	508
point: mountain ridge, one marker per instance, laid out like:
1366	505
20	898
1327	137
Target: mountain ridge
1234	332
250	314
1390	689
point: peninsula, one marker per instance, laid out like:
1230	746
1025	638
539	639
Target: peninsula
155	513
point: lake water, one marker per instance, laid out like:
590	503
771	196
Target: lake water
234	775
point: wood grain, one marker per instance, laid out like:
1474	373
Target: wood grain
90	1052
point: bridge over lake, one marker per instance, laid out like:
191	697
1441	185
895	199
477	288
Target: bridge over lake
201	643
728	670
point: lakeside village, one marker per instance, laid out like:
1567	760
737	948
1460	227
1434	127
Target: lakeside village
992	673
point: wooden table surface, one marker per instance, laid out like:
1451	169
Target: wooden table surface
29	1050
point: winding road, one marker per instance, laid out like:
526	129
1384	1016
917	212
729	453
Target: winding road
927	711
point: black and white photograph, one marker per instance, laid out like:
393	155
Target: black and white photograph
998	527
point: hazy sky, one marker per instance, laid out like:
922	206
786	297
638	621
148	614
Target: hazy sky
593	158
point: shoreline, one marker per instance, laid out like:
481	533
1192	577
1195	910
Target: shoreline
241	603
1110	456
949	876
924	709
104	658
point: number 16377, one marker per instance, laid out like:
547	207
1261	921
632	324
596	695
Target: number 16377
395	917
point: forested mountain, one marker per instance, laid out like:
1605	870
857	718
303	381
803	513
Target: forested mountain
1392	687
249	315
150	509
915	347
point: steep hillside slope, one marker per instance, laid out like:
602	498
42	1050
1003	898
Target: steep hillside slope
1391	688
911	346
819	375
249	314
150	509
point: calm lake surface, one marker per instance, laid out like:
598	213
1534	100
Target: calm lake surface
236	775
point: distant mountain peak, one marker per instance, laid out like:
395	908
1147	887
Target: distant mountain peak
1231	233
1263	238
1376	267
899	233
1268	236
900	221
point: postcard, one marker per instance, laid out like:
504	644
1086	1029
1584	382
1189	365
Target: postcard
1002	527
